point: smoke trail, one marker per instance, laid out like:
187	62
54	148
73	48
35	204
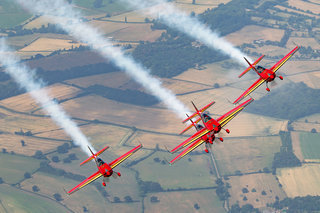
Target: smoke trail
25	77
179	20
71	23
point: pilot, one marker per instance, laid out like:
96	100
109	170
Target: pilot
206	118
100	162
260	69
199	126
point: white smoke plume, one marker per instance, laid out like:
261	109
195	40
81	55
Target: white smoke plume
71	21
179	20
26	79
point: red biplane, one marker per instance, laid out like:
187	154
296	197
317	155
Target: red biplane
104	169
206	133
266	75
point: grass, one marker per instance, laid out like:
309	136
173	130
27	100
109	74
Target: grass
14	200
13	167
184	201
246	154
310	145
183	174
11	14
110	8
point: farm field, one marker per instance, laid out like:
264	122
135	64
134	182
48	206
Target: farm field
14	200
300	181
295	138
184	201
255	185
306	127
13	167
310	145
305	6
246	154
11	14
179	175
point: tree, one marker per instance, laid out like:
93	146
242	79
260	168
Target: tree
125	19
39	155
1	180
58	197
196	206
154	199
22	143
85	209
253	190
35	188
263	193
216	85
55	159
116	200
97	3
128	199
245	190
4	150
313	130
245	198
193	1
27	175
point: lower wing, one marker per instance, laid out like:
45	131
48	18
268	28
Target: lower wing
93	177
284	59
254	86
122	158
191	139
224	119
187	150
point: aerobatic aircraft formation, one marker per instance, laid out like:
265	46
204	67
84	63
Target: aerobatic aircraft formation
205	132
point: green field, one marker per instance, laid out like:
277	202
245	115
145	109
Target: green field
310	145
107	7
183	174
11	14
13	167
14	200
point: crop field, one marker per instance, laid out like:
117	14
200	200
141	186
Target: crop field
306	127
300	181
310	79
192	171
13	167
95	107
310	145
50	45
315	118
25	103
295	138
51	184
252	32
255	184
14	200
306	42
246	154
184	201
13	143
305	5
297	67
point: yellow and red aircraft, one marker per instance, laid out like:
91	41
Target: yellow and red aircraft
104	169
206	133
266	75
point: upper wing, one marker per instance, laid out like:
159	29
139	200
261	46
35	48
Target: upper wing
224	119
120	159
93	177
254	86
284	59
187	150
191	139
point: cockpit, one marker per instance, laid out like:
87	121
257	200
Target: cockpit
199	127
100	162
260	69
206	118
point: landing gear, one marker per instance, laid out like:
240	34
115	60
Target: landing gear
228	131
206	150
119	174
104	184
267	87
281	78
221	139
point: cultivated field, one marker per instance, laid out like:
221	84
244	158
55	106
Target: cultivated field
300	181
315	8
306	127
295	138
310	145
184	201
192	171
250	33
255	184
246	154
13	167
14	200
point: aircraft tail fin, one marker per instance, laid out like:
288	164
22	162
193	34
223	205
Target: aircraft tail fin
94	156
193	124
251	66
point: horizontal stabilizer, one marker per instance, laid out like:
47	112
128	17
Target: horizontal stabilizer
191	125
201	110
251	65
93	156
